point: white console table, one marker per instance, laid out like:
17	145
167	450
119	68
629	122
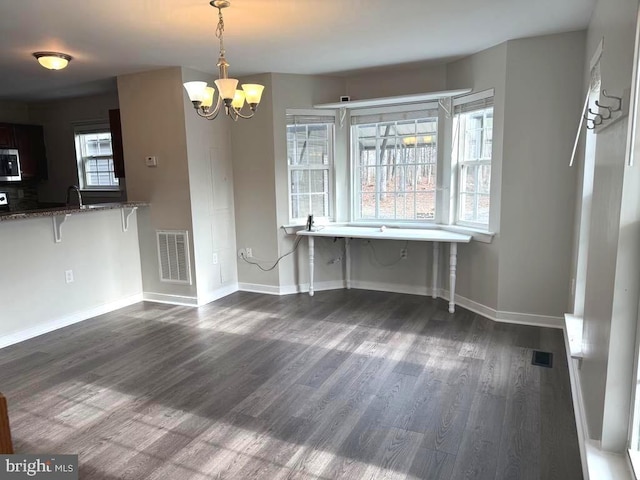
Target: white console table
374	233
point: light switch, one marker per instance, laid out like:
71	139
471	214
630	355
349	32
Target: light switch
151	161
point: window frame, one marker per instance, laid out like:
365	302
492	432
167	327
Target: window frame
388	114
87	129
329	167
485	100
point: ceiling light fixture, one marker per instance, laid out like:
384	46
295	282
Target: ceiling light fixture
53	60
201	95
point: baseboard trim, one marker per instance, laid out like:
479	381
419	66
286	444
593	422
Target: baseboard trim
259	288
530	319
490	313
217	294
170	299
506	317
290	289
67	320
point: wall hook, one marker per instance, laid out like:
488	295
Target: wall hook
613	97
604	107
587	120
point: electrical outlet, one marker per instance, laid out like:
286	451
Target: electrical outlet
242	253
215	258
403	253
68	276
249	252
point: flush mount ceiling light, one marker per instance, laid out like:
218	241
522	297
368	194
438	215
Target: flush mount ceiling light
201	95
53	60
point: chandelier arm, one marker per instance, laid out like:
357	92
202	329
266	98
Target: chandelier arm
244	116
211	115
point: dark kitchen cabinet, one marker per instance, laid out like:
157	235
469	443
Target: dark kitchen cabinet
31	148
116	143
7	136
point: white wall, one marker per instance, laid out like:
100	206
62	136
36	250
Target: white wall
34	296
254	194
609	321
211	191
153	124
542	102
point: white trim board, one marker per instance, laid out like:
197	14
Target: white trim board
190	301
596	463
217	294
490	313
76	317
170	299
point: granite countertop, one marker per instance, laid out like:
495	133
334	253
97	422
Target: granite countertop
71	210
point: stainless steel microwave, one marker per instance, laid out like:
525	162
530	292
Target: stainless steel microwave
9	165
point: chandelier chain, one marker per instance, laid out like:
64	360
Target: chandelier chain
220	31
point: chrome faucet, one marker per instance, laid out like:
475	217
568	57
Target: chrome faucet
77	189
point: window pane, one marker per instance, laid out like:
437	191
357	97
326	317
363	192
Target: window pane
300	206
468	179
319	205
467	202
425	206
319	181
405	153
484	179
368	205
483	209
299	181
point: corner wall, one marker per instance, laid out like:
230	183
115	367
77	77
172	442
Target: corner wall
542	107
152	113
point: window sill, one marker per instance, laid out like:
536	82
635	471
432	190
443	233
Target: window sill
107	192
478	235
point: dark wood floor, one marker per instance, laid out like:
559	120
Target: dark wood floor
347	384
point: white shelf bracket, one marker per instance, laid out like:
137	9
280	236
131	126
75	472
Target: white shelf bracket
126	216
343	114
58	220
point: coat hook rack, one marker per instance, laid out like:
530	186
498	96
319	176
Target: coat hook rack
606	114
610	109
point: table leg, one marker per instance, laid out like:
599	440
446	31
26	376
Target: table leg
434	272
453	261
347	261
311	254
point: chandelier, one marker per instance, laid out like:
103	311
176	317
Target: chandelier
202	95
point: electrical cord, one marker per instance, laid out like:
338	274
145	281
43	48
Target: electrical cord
257	264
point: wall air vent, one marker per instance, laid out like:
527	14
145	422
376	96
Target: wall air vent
173	256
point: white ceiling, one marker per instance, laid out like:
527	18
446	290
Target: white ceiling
113	37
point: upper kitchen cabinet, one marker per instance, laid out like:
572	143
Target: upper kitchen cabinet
7	136
31	148
116	143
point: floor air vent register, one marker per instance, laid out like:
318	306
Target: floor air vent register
542	359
